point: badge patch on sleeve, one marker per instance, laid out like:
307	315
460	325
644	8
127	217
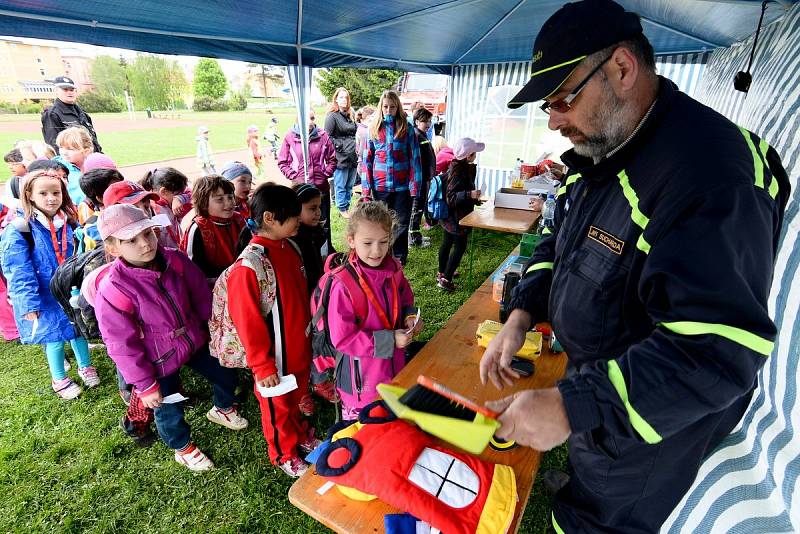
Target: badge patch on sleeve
611	242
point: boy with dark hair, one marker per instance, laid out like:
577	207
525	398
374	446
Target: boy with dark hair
17	167
422	123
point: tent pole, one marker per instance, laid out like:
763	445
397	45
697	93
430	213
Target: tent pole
300	98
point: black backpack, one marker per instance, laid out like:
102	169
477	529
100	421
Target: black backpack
71	274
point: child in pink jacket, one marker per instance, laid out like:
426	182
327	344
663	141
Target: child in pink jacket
374	349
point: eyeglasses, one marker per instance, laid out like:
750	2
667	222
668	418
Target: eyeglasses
562	105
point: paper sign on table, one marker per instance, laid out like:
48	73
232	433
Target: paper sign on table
288	383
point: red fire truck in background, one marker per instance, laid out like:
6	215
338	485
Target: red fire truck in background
431	90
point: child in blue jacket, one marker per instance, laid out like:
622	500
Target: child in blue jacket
32	247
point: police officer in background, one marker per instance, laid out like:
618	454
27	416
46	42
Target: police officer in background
65	113
655	277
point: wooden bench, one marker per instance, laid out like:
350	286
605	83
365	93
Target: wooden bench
451	357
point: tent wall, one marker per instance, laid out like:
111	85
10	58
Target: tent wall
751	483
476	109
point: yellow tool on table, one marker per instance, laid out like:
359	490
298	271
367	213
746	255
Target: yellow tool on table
531	349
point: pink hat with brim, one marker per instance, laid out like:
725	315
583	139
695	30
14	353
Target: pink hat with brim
465	146
123	221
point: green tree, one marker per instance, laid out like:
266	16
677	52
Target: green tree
365	85
157	82
109	76
209	80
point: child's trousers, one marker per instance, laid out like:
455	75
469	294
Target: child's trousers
171	425
55	356
284	428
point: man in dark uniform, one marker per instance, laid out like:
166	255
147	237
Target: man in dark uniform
655	277
65	113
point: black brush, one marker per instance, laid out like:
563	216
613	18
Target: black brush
431	397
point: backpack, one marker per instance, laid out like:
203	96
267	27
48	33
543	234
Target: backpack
71	274
337	266
225	343
437	203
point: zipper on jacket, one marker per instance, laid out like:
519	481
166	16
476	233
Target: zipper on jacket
357	376
177	314
386	301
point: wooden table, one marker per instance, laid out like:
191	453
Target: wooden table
451	357
505	220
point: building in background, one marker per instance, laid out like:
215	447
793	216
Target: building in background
78	66
25	69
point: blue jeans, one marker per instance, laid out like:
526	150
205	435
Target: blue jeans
171	425
55	356
400	203
343	182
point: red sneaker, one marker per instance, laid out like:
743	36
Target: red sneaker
307	407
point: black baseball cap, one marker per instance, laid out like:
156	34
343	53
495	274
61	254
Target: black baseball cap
64	82
573	32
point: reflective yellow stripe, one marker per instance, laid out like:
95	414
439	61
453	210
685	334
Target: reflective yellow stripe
773	184
638	423
571	180
539	266
546	231
737	335
555	523
758	165
570	62
638	217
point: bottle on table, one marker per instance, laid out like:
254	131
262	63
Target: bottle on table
547	219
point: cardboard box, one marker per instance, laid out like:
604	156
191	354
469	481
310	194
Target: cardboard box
508	197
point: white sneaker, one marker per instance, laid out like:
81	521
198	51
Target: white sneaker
294	467
67	365
194	459
89	376
230	419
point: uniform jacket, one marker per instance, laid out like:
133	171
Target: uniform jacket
321	155
373	356
278	343
61	116
342	131
28	272
391	164
168	323
657	275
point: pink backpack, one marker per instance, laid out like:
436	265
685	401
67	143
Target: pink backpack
337	266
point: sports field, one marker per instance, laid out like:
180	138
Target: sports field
144	140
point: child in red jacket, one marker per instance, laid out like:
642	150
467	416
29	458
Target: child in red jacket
265	324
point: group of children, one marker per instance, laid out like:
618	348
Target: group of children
230	287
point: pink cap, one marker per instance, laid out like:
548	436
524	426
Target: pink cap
465	146
97	160
126	192
123	221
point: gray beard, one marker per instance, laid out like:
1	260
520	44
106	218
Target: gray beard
613	119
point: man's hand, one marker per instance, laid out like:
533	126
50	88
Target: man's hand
153	399
535	418
496	360
271	381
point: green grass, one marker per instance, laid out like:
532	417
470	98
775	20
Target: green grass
65	466
228	131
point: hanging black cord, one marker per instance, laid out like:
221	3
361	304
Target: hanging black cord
758	30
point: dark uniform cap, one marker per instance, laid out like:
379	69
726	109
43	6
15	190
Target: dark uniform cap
64	82
572	33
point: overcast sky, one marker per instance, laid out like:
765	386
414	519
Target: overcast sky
231	69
